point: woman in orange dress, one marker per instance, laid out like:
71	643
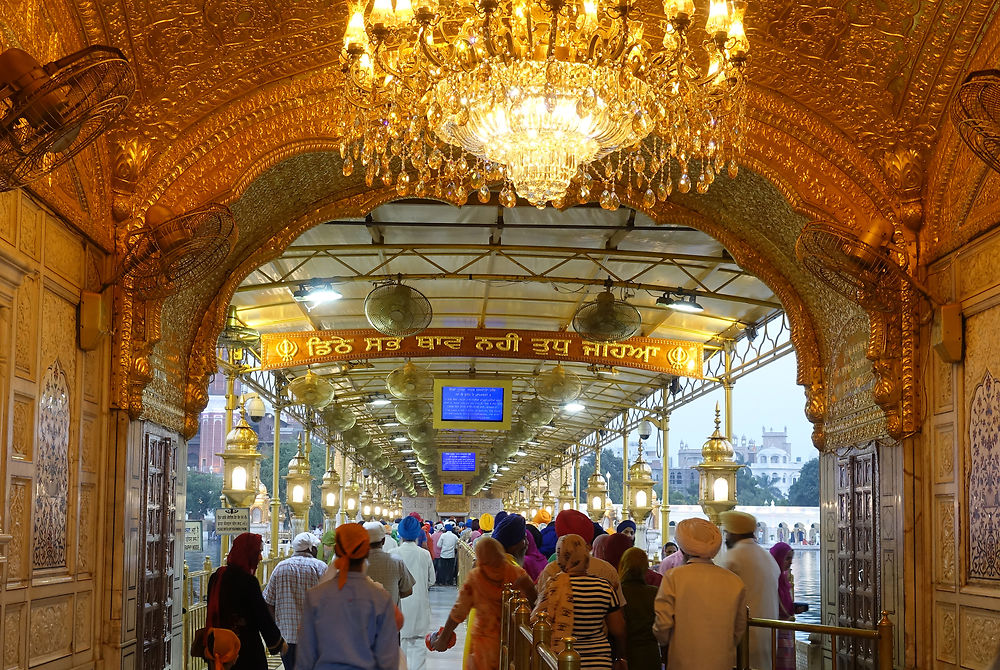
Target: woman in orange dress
483	590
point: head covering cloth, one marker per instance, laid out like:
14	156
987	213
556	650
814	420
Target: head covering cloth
221	646
698	538
534	561
549	538
352	544
627	523
574	554
245	552
738	523
510	531
486	522
542	516
633	565
598	530
780	552
574	522
303	542
501	515
409	529
597	548
375	530
615	547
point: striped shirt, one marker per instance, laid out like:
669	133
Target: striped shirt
593	599
286	591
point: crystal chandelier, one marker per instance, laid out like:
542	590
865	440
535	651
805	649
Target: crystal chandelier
553	98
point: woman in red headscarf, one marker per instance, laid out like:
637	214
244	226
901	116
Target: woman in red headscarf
235	602
785	658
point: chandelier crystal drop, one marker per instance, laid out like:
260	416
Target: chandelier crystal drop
558	100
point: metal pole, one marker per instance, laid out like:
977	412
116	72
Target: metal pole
275	480
343	482
228	426
576	478
625	468
665	498
727	385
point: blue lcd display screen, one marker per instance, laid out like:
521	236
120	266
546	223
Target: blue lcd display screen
472	403
458	461
453	489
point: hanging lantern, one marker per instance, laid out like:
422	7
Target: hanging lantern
350	497
717	483
298	487
330	490
239	462
549	503
566	497
640	489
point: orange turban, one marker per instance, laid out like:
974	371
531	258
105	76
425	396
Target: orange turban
222	646
352	543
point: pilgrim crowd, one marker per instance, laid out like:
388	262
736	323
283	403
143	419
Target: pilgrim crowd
357	598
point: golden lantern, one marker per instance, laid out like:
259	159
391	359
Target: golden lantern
239	462
597	495
549	503
330	490
640	489
366	504
566	497
350	497
717	483
298	487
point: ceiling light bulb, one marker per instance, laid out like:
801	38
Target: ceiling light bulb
399	438
687	305
574	407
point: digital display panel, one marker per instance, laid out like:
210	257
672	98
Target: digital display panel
458	461
472	403
453	489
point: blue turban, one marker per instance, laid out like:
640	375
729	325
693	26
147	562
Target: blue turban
627	523
409	529
449	526
549	538
510	531
498	518
598	530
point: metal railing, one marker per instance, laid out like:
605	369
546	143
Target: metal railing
525	644
195	602
882	636
466	561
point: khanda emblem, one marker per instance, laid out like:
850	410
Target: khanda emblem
287	349
679	357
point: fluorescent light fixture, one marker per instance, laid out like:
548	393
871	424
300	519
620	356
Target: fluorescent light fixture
520	452
390	424
399	438
316	294
410	460
406	451
574	407
505	468
687	305
379	401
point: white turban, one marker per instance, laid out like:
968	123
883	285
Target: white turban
376	532
698	538
302	542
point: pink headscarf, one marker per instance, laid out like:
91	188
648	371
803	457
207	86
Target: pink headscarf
780	552
534	561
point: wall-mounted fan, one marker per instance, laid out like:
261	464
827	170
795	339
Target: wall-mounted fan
174	251
558	385
50	113
409	381
397	310
607	319
858	265
976	115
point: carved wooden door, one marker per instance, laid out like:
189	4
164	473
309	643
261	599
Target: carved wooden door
857	552
156	535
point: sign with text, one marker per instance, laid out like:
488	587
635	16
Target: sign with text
232	520
193	536
673	357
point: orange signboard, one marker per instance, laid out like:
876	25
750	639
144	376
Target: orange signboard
673	357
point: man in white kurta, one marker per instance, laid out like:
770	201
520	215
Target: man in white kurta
700	608
760	572
416	607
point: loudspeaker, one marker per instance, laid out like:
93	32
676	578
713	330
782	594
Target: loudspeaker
92	320
947	336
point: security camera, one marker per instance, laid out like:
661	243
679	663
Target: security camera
255	408
645	429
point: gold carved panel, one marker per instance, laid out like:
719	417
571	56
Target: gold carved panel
83	630
8	215
980	636
23	427
943	449
59	333
20	529
944	541
945	633
30	228
51	629
944	384
978	269
26	328
63	252
88	528
13	634
90	445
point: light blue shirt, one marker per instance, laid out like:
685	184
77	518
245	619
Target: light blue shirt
353	628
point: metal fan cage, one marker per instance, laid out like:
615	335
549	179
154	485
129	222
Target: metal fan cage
558	385
409	382
397	310
412	412
178	252
535	412
607	319
90	88
863	273
977	115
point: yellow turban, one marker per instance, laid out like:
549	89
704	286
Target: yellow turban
486	523
738	523
542	516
